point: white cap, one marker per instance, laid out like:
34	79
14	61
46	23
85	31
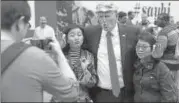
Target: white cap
106	6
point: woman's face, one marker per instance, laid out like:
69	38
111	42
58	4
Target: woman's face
143	49
75	38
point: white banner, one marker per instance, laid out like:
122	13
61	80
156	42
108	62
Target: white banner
152	8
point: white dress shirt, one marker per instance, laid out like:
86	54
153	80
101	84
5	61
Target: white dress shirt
103	69
43	33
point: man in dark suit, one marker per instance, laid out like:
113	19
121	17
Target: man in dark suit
113	46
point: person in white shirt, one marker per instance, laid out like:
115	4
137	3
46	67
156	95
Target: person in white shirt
113	46
44	31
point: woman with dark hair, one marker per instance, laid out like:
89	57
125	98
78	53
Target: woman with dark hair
80	37
153	80
80	60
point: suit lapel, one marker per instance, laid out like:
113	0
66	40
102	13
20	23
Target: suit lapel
95	42
97	39
122	38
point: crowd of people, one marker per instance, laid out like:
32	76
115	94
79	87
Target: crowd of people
115	61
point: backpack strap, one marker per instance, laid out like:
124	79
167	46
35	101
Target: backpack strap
11	53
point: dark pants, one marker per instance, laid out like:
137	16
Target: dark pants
104	95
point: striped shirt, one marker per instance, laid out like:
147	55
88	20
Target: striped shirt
74	56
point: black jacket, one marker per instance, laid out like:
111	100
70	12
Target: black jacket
154	82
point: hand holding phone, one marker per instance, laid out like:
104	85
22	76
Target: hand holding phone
55	46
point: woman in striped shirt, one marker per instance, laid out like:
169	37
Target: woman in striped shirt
80	60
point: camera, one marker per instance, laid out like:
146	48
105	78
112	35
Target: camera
42	44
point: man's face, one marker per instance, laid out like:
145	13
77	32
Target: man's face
123	19
43	22
107	19
160	22
132	16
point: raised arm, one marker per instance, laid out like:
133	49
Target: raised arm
49	75
58	83
59	79
160	46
